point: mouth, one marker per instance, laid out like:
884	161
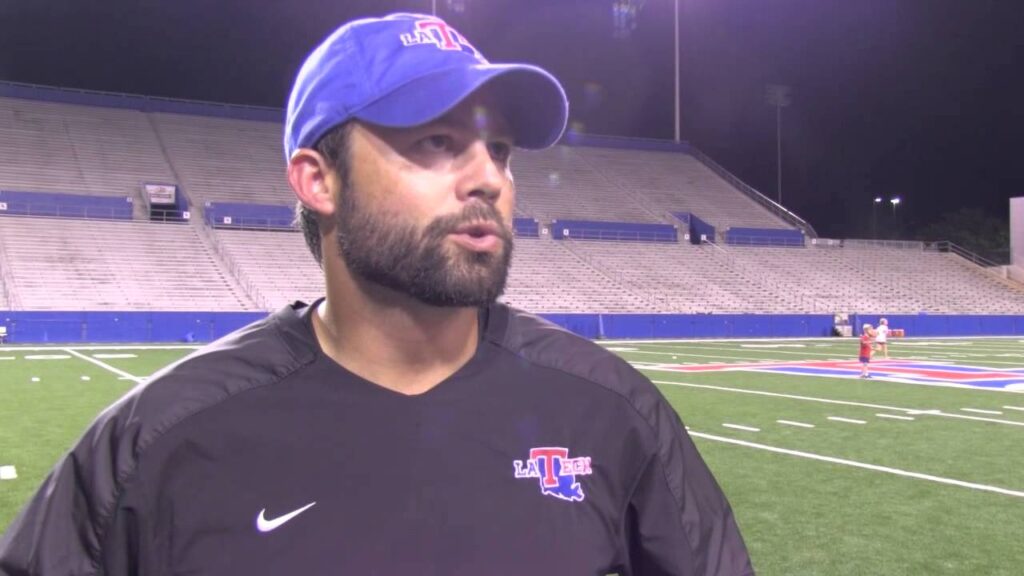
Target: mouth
478	236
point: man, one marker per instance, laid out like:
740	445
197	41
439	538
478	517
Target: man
882	337
406	423
865	350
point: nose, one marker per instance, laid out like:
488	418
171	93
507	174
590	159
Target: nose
481	176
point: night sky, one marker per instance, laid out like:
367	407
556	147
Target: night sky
918	98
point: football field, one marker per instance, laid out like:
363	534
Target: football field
918	470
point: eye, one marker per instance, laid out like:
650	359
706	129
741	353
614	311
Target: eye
436	143
500	151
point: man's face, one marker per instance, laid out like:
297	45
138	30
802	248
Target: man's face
427	210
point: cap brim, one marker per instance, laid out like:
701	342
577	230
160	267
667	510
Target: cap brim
533	102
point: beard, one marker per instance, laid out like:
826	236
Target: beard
384	249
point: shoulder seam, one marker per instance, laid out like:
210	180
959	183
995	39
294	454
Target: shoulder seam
122	481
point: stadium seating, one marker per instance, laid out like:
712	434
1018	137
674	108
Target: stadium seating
253	254
681	277
225	160
92	265
64	264
47	147
550	184
548	276
666	182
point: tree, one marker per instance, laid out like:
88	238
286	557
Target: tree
973	229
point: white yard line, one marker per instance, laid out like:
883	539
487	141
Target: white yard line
980	411
842	402
766	351
849	420
741	427
863	465
792	423
105	366
894	416
1021	408
738	359
832	339
801	353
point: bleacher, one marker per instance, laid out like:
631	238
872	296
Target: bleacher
275	266
671	182
49	147
548	276
51	264
225	160
550	184
681	278
69	264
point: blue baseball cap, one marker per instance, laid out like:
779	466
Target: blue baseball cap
405	70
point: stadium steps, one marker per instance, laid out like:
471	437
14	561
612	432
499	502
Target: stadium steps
113	265
276	266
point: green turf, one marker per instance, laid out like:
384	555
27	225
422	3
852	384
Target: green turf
798	515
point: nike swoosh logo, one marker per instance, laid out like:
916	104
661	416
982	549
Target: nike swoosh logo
266	525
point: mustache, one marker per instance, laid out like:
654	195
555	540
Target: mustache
475	212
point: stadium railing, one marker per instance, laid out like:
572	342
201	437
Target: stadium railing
764	201
947	246
49	210
227	260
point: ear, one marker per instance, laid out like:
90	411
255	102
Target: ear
313	180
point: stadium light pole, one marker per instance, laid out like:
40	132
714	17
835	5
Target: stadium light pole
779	96
895	201
677	68
874	217
433	7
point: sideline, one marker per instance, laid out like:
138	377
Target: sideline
105	366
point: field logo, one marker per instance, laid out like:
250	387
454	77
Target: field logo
556	472
893	370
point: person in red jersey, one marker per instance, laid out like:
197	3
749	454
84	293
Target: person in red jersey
866	335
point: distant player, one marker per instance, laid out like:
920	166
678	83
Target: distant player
865	350
882	337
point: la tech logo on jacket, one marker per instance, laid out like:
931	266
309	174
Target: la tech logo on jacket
556	471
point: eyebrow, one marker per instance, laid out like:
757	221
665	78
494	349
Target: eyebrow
464	122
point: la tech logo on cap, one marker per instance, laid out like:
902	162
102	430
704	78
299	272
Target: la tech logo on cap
556	471
440	34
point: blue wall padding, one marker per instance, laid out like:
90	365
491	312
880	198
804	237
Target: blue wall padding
62	205
526	228
945	325
695	227
263	216
698	227
764	237
74	327
621	231
123	327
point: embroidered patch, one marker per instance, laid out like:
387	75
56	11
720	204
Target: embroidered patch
555	471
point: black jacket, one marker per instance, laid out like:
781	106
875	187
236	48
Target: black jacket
544	454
